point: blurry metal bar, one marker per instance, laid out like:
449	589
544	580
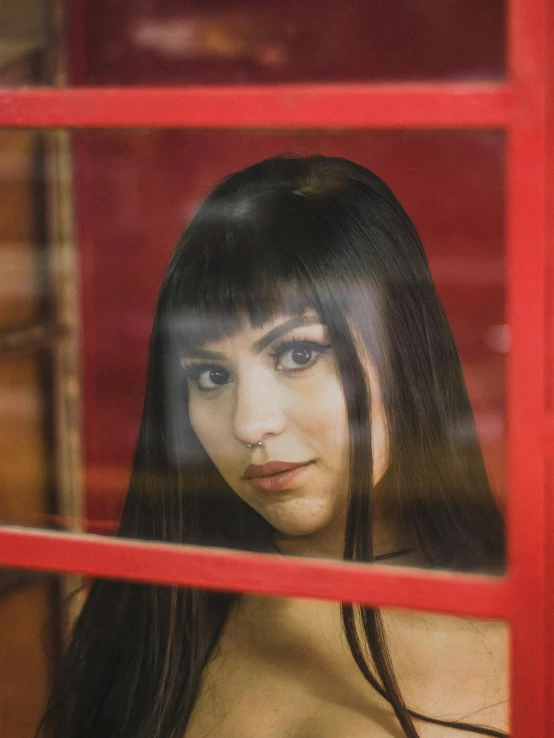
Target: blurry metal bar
528	505
351	106
29	338
65	284
281	576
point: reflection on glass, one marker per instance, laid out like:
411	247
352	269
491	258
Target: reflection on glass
174	42
304	392
145	660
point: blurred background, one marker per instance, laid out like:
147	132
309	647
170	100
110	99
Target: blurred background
88	221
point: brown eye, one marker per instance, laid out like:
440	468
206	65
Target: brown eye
299	355
207	377
216	375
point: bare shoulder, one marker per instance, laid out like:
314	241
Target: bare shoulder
279	672
283	669
451	667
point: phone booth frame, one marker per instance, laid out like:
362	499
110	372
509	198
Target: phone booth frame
522	107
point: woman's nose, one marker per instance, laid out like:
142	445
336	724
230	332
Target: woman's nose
258	411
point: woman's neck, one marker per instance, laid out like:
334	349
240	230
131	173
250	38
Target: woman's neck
328	543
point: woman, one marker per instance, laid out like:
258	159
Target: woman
297	323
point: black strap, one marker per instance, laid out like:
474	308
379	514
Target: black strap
393	554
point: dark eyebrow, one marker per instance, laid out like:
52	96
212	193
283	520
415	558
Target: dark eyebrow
285	327
261	343
197	353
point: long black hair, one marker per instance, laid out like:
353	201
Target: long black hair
278	237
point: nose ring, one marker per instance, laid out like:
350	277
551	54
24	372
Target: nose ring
251	445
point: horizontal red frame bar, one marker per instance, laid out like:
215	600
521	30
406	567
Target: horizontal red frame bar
425	105
116	558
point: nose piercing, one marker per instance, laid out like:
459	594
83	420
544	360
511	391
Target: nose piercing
250	445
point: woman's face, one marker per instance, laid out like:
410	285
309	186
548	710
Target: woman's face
279	383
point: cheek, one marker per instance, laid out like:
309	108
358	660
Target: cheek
206	423
380	445
323	419
326	420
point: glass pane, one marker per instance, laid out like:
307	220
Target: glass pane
136	191
156	42
267	666
175	42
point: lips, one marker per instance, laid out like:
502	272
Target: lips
254	471
278	481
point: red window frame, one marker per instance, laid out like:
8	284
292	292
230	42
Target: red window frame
522	107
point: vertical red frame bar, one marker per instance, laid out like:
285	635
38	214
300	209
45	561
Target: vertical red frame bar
549	285
526	390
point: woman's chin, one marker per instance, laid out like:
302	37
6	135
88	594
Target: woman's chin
301	519
297	529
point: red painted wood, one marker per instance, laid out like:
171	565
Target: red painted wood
425	105
283	576
549	422
549	287
527	502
